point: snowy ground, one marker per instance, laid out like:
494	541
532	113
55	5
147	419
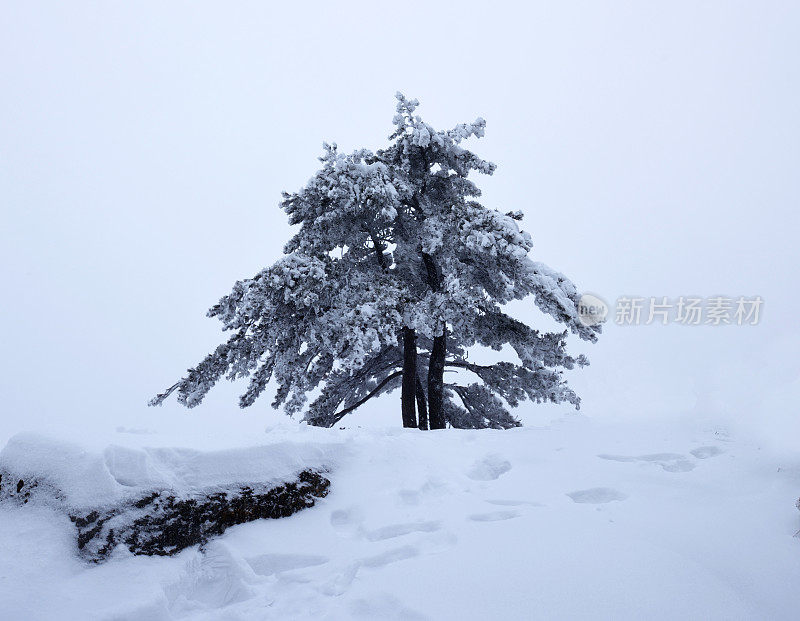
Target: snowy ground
577	519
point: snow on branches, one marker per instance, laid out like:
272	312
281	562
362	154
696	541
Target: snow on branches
393	241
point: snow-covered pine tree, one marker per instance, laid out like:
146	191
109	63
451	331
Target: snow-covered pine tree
394	273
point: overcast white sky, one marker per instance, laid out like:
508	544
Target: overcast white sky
654	148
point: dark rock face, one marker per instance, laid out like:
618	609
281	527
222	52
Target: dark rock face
17	490
164	524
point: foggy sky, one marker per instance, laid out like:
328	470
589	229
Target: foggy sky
654	149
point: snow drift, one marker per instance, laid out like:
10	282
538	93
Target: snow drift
161	500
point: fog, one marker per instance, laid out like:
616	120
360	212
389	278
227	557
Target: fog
143	147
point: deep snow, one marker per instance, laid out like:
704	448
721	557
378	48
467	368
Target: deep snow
576	519
86	479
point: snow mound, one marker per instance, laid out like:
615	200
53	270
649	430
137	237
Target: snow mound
85	478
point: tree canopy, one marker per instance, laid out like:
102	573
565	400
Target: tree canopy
395	272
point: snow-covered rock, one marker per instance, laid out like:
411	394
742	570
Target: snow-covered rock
161	500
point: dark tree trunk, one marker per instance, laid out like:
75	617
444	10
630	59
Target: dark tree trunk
436	366
408	389
422	406
436	381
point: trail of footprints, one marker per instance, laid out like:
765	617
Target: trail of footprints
422	537
218	579
670	462
430	536
348	523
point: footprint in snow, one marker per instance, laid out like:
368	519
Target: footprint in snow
431	487
494	516
342	518
704	452
398	530
347	522
383	606
489	468
269	564
339	584
214	578
409	496
597	495
671	462
514	503
390	556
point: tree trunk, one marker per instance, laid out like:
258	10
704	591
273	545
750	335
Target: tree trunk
438	352
436	381
422	406
408	388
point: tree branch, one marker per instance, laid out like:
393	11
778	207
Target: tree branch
466	365
339	415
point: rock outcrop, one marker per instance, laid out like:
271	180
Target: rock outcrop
164	522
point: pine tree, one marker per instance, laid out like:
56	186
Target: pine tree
395	272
